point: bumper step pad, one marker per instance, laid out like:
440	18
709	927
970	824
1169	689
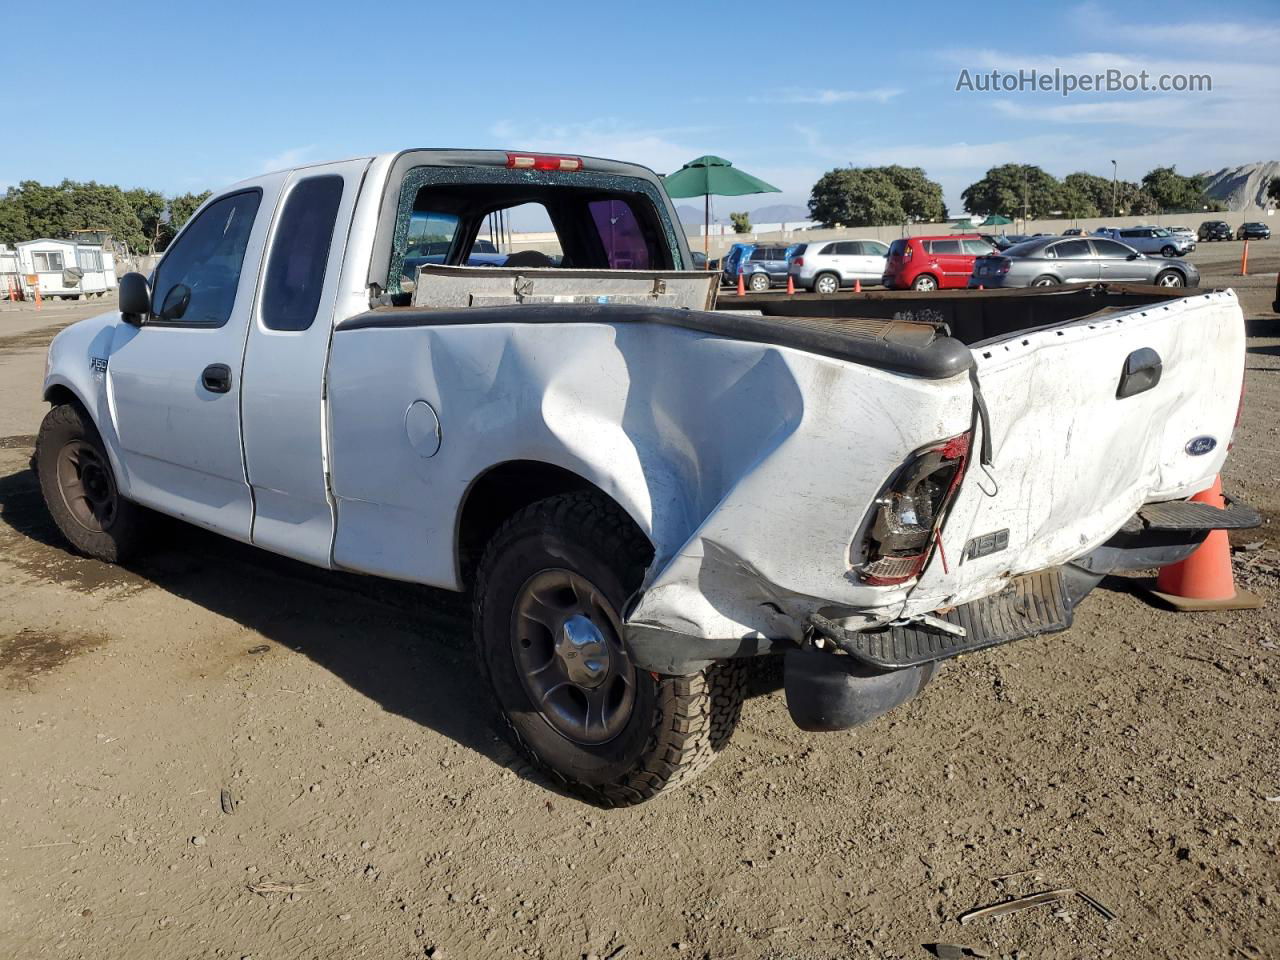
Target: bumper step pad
1032	604
1188	515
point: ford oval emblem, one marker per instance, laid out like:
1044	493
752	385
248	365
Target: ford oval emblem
1199	446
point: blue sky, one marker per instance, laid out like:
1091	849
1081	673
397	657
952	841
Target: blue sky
180	96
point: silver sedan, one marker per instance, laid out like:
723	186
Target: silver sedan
1048	261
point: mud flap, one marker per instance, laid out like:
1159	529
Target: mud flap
828	692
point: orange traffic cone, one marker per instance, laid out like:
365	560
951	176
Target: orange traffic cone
39	300
1203	581
1244	259
742	290
857	285
13	291
791	286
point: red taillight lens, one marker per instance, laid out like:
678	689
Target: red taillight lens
543	161
797	261
909	513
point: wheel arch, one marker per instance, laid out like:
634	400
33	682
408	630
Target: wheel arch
506	488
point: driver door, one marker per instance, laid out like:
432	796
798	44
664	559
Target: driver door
174	382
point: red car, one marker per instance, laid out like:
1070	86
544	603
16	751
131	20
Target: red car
933	263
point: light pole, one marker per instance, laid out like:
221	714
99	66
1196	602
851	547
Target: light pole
1113	189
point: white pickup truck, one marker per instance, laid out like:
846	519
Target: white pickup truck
639	490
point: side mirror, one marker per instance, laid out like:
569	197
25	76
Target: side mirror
1133	256
176	302
135	298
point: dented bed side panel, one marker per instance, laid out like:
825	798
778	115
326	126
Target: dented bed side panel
749	465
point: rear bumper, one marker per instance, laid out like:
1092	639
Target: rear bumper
840	675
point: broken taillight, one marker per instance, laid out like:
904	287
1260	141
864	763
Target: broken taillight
543	161
909	512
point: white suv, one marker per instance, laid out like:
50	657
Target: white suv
826	267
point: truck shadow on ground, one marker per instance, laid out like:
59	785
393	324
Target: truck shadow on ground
406	647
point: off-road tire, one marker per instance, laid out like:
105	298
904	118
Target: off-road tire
68	424
678	723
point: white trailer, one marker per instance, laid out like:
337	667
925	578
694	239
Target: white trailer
65	268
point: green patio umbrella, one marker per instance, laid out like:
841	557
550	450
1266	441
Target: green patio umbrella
995	220
713	176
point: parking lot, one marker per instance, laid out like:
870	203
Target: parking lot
220	753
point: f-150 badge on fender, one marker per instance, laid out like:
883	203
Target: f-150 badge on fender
1199	446
99	366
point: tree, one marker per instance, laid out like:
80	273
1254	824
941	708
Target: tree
1095	190
1172	191
741	222
59	211
183	206
1013	189
921	197
149	206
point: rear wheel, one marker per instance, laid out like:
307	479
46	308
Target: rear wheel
1045	281
924	283
759	282
826	283
1170	278
549	634
79	487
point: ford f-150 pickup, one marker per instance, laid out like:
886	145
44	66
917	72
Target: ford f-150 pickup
639	490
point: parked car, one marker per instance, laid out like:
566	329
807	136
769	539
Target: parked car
699	260
999	241
932	263
1049	261
1073	232
1214	230
762	265
637	492
1253	231
1185	233
1148	240
826	267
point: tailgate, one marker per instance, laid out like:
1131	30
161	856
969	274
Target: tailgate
1072	460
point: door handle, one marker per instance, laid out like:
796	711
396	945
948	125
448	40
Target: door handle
216	378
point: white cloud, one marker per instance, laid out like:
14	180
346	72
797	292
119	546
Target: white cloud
796	95
287	159
1100	21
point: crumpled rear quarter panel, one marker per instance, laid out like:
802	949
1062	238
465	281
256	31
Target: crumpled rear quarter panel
749	465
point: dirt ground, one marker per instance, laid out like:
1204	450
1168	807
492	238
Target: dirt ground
373	812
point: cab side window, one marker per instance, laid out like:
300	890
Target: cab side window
300	254
195	284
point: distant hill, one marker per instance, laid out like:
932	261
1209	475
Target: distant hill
1243	186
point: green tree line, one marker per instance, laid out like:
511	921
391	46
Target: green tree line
880	196
144	220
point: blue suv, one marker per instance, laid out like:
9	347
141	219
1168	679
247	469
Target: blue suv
762	264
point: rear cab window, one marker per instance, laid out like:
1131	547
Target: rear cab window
488	215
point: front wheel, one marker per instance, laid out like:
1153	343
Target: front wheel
1170	278
550	640
759	282
1045	282
925	283
826	283
1168	250
79	487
